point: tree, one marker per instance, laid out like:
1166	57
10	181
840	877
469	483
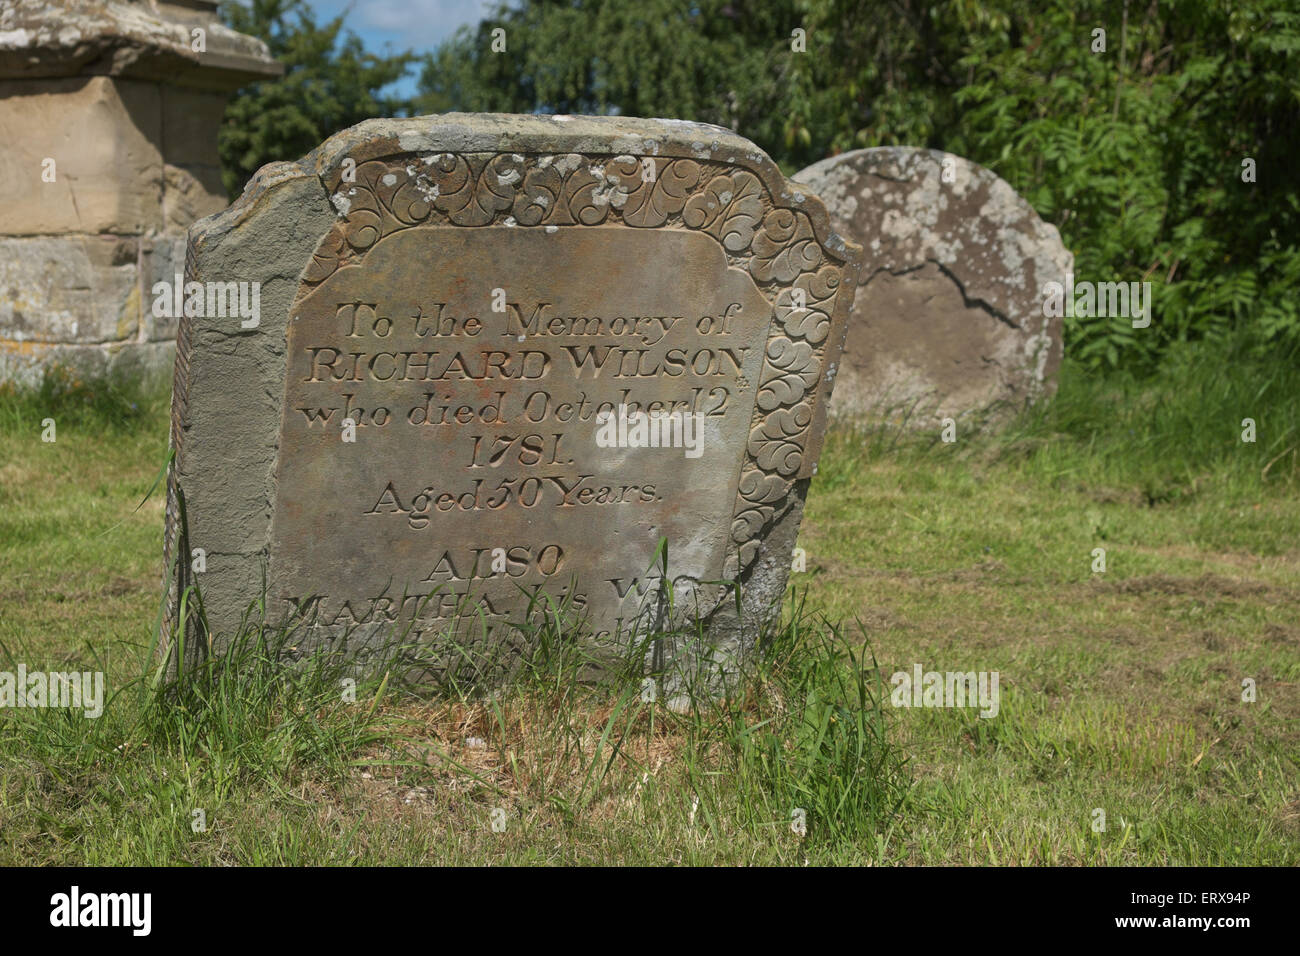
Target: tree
327	86
1132	147
716	61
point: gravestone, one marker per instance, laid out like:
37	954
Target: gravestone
109	111
473	333
948	318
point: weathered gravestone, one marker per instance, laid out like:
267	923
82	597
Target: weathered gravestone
471	329
948	318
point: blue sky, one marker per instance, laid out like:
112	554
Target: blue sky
419	25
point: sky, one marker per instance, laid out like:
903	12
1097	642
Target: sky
419	25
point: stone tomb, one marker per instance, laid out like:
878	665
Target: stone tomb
109	112
948	318
474	331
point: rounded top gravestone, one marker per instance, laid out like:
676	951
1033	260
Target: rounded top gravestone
485	364
948	320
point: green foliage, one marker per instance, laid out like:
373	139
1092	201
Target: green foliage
1162	436
1169	432
327	86
974	555
94	402
1134	153
823	745
714	61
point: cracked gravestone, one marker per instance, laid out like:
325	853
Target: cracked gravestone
495	361
948	318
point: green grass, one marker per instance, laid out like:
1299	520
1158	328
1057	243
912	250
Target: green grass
1120	691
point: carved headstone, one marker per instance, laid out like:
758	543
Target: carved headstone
473	333
948	318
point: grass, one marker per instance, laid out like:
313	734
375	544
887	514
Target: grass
1121	691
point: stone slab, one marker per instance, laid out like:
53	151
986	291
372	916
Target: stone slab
71	290
145	39
103	136
471	292
948	318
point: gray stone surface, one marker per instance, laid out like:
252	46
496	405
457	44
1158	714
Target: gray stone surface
373	255
144	39
948	318
79	289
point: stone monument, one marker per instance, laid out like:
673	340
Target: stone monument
948	320
109	114
482	363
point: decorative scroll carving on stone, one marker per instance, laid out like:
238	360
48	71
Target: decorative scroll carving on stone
390	211
776	245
